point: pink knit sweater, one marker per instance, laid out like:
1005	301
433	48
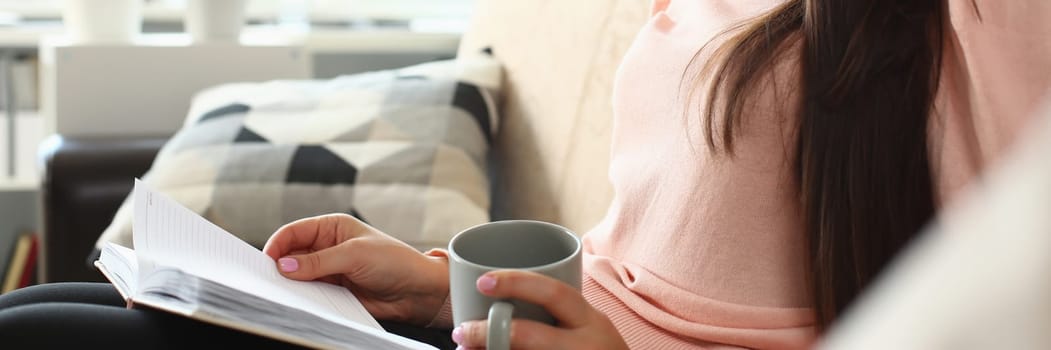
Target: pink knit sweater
706	252
703	252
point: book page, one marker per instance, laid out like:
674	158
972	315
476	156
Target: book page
120	266
171	235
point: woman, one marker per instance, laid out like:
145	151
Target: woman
769	158
820	137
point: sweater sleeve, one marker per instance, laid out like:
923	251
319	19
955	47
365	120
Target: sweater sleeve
444	318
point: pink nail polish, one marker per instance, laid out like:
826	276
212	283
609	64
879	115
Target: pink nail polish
458	335
486	283
288	264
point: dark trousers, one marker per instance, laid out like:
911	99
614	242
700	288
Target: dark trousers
92	315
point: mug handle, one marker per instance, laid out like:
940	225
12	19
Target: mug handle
499	337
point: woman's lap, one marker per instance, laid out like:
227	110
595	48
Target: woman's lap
69	292
90	314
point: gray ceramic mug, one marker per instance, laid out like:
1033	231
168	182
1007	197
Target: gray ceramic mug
535	246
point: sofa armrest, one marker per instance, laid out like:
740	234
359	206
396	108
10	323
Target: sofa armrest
84	183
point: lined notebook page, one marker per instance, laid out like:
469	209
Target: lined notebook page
172	235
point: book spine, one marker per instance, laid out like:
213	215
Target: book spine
13	276
29	270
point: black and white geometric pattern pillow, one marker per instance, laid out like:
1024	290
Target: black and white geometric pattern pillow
404	150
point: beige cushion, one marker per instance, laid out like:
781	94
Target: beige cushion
559	59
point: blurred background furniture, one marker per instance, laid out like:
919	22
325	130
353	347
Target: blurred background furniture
108	109
84	181
335	39
550	155
114	90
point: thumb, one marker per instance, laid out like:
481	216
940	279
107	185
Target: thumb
311	266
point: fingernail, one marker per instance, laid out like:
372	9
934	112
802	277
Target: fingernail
458	335
486	283
288	264
460	347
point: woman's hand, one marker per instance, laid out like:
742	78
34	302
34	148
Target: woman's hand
579	326
393	280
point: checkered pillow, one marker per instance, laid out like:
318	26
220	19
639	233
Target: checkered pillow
404	150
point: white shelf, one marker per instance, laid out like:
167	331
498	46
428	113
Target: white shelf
320	10
26	36
139	98
316	39
29	133
339	40
8	184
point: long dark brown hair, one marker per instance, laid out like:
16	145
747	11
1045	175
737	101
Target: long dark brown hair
869	75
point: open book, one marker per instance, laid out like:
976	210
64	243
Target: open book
187	265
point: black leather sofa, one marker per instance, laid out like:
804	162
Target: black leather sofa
84	182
